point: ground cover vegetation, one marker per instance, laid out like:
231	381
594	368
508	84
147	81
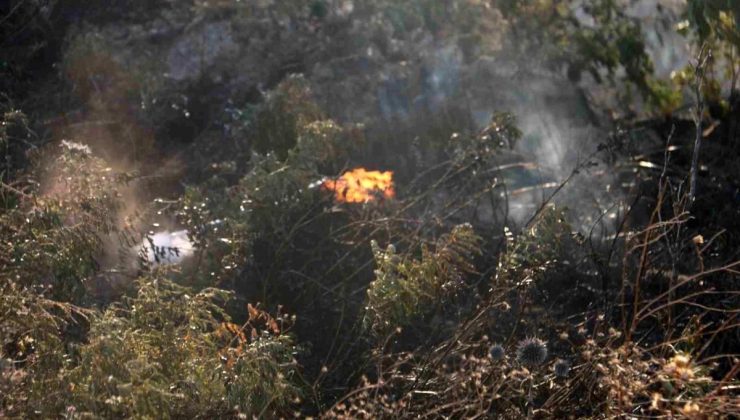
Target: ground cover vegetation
549	231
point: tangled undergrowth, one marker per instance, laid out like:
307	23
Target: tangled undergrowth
486	286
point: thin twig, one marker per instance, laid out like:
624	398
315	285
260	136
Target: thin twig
699	73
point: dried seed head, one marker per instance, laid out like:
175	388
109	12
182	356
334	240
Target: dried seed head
531	352
562	368
497	352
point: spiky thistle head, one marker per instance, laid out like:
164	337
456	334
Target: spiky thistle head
531	352
561	368
497	352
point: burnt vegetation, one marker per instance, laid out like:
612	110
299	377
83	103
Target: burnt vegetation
369	209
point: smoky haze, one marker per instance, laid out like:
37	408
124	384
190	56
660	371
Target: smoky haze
397	88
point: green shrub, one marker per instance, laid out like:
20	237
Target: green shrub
285	111
169	352
529	255
55	237
32	349
405	288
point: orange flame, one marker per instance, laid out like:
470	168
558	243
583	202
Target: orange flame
360	186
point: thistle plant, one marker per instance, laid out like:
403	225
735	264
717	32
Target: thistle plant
561	368
497	352
531	352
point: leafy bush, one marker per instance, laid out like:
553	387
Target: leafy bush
174	353
529	256
405	289
33	350
54	239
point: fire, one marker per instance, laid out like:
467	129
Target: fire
360	186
